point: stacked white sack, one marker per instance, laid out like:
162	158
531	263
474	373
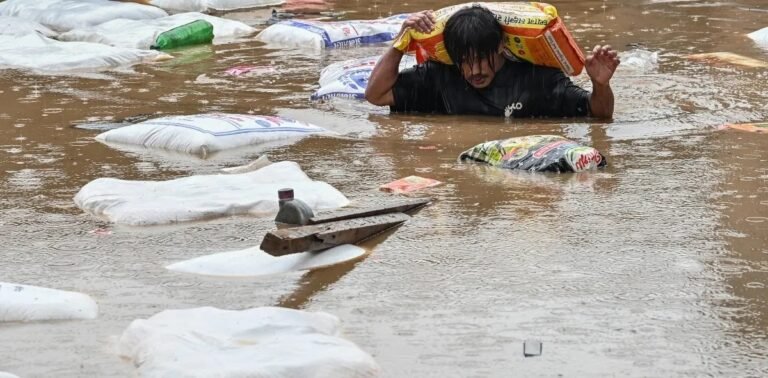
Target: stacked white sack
142	34
21	27
203	134
65	15
258	342
319	34
31	303
175	6
139	203
38	53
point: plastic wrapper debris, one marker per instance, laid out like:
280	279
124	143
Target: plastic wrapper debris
20	27
760	37
319	34
639	60
409	184
38	53
142	203
755	127
144	34
65	15
176	6
532	32
728	58
253	262
536	153
204	134
348	79
257	342
32	303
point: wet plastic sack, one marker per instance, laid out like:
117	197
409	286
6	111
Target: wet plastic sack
210	5
532	32
23	303
202	197
146	33
536	153
319	34
20	27
65	15
348	79
257	342
204	134
38	53
760	37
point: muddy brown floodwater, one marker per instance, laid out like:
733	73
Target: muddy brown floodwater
654	266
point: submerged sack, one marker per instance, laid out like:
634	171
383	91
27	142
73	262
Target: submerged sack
348	79
65	15
532	32
318	34
536	153
209	5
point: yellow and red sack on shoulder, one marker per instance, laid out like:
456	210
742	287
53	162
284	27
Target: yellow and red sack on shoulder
532	32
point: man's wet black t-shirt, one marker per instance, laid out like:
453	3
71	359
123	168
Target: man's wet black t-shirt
518	90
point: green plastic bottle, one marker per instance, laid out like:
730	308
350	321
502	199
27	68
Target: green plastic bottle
194	33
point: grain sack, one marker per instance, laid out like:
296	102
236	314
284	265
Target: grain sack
319	34
532	32
348	79
536	153
24	303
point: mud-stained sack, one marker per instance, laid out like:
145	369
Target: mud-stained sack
253	262
319	34
176	6
143	203
536	153
23	303
348	79
65	15
204	134
40	54
532	32
760	37
257	342
144	34
20	27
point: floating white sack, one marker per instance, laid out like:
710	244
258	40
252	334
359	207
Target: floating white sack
348	79
20	27
7	375
211	5
203	197
141	34
760	36
258	342
37	52
255	262
65	15
29	303
318	34
203	134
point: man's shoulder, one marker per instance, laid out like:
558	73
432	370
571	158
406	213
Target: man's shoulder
519	66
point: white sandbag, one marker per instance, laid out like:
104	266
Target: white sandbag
7	375
203	197
142	34
348	79
258	342
318	34
29	303
211	5
253	262
203	134
36	52
65	15
760	36
21	27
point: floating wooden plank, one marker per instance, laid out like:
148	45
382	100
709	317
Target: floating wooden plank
405	206
326	235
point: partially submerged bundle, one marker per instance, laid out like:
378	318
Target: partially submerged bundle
536	153
532	32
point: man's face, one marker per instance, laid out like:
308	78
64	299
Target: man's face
479	73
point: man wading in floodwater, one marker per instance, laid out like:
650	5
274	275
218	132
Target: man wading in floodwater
483	81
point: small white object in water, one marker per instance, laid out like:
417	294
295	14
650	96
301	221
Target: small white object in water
760	36
639	60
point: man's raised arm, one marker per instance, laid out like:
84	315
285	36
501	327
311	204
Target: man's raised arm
384	75
601	65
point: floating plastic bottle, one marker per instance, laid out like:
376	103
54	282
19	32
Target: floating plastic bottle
292	211
194	33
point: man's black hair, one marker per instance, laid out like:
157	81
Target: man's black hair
472	33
